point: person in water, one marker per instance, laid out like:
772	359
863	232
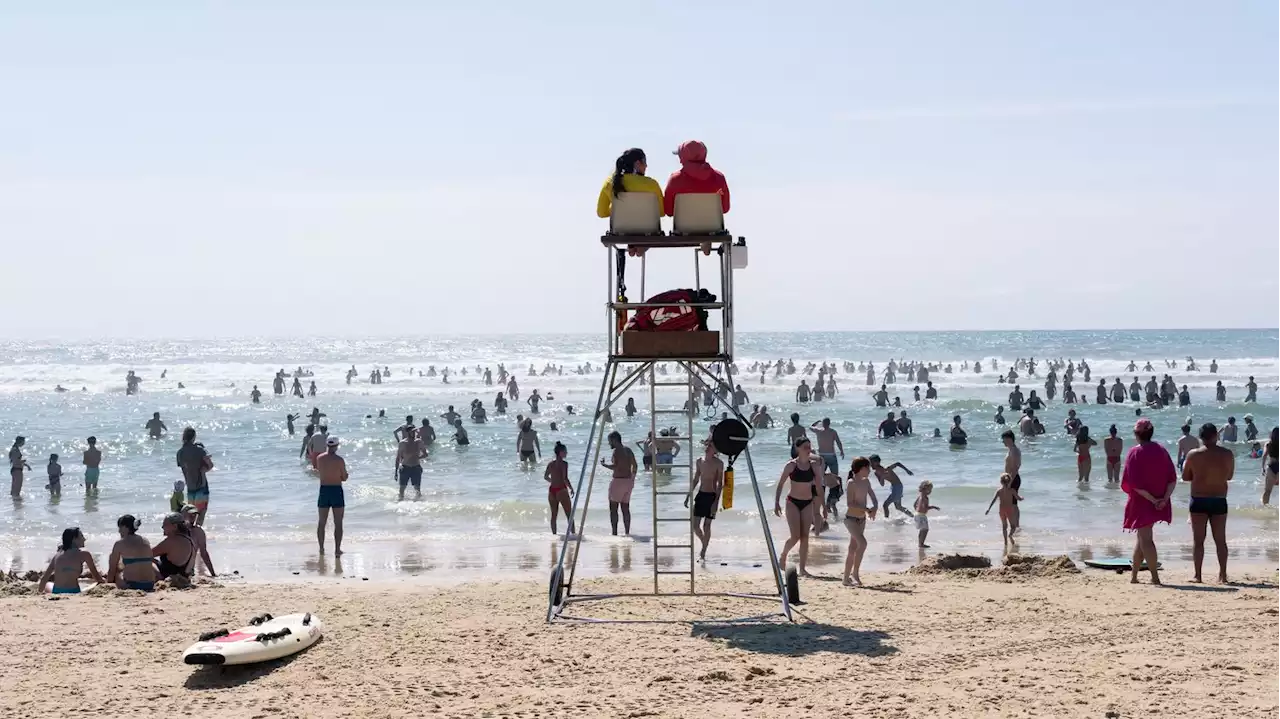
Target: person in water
332	469
92	460
1006	495
622	483
558	490
68	564
130	565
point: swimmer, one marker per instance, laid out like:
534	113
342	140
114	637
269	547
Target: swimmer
92	460
55	477
886	474
155	428
1113	446
959	437
1013	468
460	436
1084	460
409	455
1186	443
558	490
527	446
855	518
828	443
1006	495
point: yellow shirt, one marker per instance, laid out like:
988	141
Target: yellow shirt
631	182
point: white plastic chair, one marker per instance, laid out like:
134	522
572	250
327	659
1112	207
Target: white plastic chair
635	213
698	214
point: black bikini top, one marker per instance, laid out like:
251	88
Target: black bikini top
802	475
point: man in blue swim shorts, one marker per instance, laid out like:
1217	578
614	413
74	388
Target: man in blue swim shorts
333	472
828	442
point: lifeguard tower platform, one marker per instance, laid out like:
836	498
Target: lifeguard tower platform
700	357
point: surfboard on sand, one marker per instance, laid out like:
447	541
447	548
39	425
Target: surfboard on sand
1118	564
265	638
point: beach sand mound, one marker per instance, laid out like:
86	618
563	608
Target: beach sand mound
13	584
1016	566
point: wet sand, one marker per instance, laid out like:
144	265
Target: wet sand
909	645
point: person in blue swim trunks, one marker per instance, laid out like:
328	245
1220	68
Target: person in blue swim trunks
68	564
130	565
333	472
828	443
92	460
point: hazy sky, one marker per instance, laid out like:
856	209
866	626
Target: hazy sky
182	169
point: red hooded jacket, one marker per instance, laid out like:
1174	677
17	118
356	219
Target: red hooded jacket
694	176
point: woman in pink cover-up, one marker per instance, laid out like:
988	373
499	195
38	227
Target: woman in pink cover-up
1149	480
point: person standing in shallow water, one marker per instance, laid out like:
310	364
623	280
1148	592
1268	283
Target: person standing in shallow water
1209	469
1113	447
1149	479
622	484
559	492
333	472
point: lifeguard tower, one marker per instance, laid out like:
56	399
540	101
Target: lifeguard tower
699	357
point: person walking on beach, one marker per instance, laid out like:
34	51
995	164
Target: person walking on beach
1084	460
856	514
922	508
92	460
409	455
1270	466
195	463
886	474
1149	480
1113	446
1209	469
558	490
800	512
1005	495
333	472
155	428
708	480
623	482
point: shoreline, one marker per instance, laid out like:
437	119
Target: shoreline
1064	644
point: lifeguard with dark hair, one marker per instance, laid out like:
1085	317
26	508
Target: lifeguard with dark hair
694	176
628	176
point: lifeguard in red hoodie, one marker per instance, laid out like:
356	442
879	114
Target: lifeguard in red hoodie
694	176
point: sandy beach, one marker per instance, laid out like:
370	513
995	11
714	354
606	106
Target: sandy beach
997	643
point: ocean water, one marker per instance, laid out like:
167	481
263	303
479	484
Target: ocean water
480	513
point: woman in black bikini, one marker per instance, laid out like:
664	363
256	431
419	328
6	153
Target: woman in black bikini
1270	465
176	553
805	476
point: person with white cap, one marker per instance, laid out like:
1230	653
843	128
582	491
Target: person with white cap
333	472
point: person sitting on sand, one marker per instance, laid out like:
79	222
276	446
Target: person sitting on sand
802	473
175	555
198	537
68	564
922	508
559	492
130	565
855	518
1006	495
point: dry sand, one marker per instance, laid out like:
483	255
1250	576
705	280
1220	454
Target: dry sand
1042	640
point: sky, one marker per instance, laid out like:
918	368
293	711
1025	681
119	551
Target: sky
292	168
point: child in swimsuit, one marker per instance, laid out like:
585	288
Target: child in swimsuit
1006	495
855	518
922	508
178	498
55	477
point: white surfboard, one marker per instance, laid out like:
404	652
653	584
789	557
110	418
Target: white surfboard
265	638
